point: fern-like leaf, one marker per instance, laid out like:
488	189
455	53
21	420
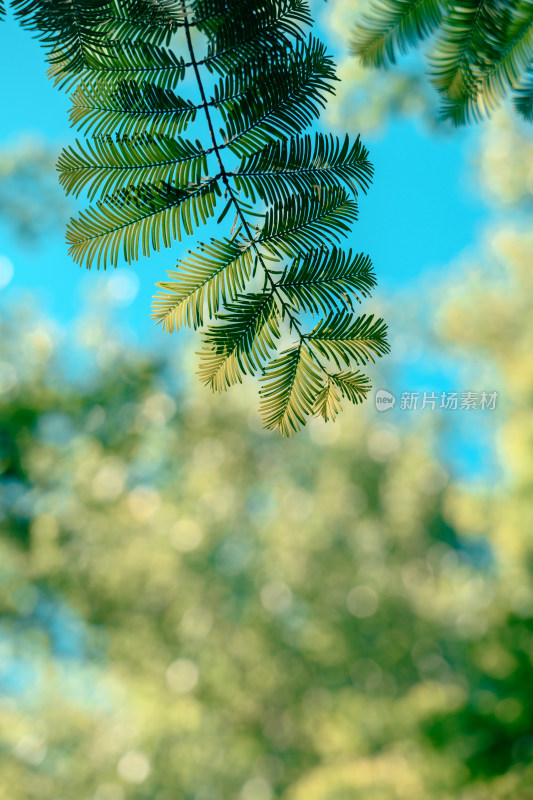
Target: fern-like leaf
153	22
462	38
242	342
138	222
127	61
105	166
326	282
483	51
290	389
151	186
69	29
244	30
510	51
301	165
271	107
352	386
217	273
129	108
347	341
524	97
393	26
295	224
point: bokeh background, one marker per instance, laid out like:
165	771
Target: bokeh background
194	609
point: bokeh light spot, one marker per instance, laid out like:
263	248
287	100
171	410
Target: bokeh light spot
362	601
182	675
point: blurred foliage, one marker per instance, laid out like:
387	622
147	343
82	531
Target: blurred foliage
366	99
504	163
30	201
191	609
490	313
482	50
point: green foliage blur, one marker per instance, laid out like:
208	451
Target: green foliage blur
30	205
192	609
367	98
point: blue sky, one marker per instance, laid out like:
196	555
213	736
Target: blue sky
418	216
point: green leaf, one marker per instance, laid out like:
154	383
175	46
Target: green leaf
241	342
144	20
129	108
243	31
138	221
105	166
347	341
508	59
84	36
296	223
212	277
122	61
393	26
150	186
524	97
290	388
483	52
283	101
353	386
67	28
328	402
462	39
327	281
302	165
